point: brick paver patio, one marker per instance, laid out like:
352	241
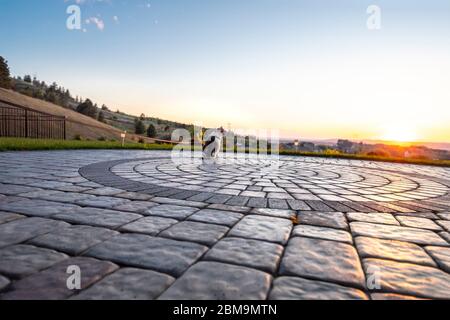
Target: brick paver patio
141	226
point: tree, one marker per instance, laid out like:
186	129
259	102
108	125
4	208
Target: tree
151	131
87	108
5	77
27	78
101	117
139	127
142	117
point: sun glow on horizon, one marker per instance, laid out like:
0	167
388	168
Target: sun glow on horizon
399	132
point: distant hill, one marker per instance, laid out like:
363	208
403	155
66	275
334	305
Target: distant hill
62	97
77	124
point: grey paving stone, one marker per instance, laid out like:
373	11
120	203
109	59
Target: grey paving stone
263	228
171	211
226	207
204	233
257	203
22	260
8	216
322	233
103	202
134	196
238	201
298	205
444	224
426	215
51	284
58	196
128	284
410	279
218	199
376	217
392	250
445	235
319	206
149	225
323	260
393	296
406	234
136	206
279	213
421	223
293	288
218	281
4	282
338	206
246	252
178	202
98	217
278	204
323	219
226	218
11	189
441	256
37	208
106	191
159	254
18	231
74	239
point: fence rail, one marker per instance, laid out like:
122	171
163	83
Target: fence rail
21	122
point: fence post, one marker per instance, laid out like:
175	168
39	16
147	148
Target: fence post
65	118
26	123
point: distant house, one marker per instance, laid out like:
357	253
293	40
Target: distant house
307	146
347	146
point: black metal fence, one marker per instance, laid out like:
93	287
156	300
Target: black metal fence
22	122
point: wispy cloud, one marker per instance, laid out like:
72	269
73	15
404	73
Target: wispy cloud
98	22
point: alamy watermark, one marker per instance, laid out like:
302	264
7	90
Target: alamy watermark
374	19
373	274
73	281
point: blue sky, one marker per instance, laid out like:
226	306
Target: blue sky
309	68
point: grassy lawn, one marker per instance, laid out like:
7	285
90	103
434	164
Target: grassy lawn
19	144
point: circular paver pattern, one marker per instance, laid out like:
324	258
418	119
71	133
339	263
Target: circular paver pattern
283	179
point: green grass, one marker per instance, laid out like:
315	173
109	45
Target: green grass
338	155
20	144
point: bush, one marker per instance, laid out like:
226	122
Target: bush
78	137
141	140
378	153
101	139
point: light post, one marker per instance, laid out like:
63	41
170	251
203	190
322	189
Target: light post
123	135
296	143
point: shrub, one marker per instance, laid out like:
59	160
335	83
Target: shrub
78	137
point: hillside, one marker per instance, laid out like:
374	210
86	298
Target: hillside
77	124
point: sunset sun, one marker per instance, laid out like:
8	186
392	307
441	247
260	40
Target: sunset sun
399	133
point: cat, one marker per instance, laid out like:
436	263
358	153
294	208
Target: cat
212	144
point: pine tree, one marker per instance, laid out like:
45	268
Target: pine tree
151	131
101	117
87	108
139	127
5	77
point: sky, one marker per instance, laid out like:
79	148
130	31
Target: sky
310	69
